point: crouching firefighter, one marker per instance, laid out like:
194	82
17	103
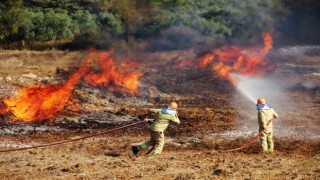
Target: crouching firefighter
265	114
157	128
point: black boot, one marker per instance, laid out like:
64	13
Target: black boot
135	150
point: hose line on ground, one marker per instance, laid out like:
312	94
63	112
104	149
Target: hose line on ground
252	140
114	129
72	140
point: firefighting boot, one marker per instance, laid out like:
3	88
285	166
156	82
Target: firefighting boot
264	149
271	150
135	150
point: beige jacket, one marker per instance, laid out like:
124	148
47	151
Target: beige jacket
264	116
162	120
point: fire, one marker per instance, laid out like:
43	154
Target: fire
242	60
39	102
208	58
123	77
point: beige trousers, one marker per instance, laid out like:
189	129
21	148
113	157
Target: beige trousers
266	140
156	140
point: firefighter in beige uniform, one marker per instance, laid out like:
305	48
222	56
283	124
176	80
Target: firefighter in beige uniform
159	125
265	113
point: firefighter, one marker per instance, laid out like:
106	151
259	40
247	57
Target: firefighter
265	113
157	128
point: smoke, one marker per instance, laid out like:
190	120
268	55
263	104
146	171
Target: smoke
176	38
302	26
313	50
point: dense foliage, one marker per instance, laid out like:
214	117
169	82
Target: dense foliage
167	24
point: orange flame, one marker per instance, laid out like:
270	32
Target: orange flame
246	61
123	78
205	60
41	102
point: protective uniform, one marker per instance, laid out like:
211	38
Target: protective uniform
159	125
265	113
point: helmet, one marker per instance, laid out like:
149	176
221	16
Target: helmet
173	105
261	101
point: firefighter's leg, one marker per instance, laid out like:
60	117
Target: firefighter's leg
146	144
263	141
159	139
270	141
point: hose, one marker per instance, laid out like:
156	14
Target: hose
125	126
252	140
72	140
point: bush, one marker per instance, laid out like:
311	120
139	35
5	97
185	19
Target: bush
109	22
45	26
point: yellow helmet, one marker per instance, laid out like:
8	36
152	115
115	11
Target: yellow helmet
173	105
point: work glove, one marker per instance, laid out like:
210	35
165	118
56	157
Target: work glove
148	120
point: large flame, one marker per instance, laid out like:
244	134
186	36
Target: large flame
40	102
242	60
123	77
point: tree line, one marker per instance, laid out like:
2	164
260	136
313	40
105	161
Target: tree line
176	24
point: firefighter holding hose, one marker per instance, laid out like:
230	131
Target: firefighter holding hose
159	125
265	114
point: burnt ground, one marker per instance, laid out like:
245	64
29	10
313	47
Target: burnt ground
214	116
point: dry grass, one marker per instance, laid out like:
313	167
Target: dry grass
110	157
41	63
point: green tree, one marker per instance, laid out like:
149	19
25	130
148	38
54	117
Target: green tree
45	26
217	20
128	13
11	15
84	22
181	23
110	23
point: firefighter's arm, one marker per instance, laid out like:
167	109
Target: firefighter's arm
146	117
176	120
150	111
275	114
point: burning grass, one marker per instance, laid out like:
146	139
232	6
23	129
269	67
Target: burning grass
40	102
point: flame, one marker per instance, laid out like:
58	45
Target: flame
123	77
242	60
205	60
39	102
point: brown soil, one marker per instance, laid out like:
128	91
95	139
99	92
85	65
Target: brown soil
209	123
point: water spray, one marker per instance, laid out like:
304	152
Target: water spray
257	87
